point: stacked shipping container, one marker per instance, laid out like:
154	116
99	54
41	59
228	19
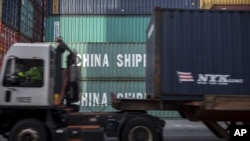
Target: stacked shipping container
21	21
115	7
32	19
75	29
110	37
38	29
27	18
8	18
10	13
8	37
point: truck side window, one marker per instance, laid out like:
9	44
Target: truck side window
24	73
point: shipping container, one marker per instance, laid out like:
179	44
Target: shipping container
207	4
23	39
111	61
96	96
27	18
10	13
231	7
117	7
38	29
97	28
192	53
8	37
39	21
39	3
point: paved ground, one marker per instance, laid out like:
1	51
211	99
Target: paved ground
182	130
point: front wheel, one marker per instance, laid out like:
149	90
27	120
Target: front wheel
140	129
29	130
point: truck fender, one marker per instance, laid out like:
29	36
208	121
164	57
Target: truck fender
121	125
51	131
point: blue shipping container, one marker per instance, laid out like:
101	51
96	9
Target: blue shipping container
10	14
119	7
192	53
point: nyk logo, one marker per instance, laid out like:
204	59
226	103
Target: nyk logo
210	79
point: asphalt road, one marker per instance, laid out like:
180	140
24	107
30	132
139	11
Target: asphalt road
181	130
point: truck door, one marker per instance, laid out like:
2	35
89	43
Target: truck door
23	82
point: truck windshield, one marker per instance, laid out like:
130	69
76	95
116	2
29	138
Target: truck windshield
24	73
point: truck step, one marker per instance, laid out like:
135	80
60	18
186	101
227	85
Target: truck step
67	109
83	127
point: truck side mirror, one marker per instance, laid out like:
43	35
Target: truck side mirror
11	69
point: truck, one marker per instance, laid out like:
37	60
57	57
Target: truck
45	109
196	64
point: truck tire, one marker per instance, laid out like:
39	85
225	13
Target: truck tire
139	129
29	130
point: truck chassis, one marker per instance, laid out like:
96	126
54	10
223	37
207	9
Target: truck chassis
65	123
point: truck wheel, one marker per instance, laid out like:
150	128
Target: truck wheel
29	130
139	129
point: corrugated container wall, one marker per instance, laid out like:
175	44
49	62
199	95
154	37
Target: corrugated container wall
111	61
8	37
95	96
39	3
24	39
10	13
27	18
207	4
110	7
74	29
192	53
38	29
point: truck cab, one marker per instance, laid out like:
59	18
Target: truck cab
23	91
37	99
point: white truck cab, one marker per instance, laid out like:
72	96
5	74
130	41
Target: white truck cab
30	109
16	91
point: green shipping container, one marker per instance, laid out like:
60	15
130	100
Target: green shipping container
27	18
97	28
95	96
110	61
